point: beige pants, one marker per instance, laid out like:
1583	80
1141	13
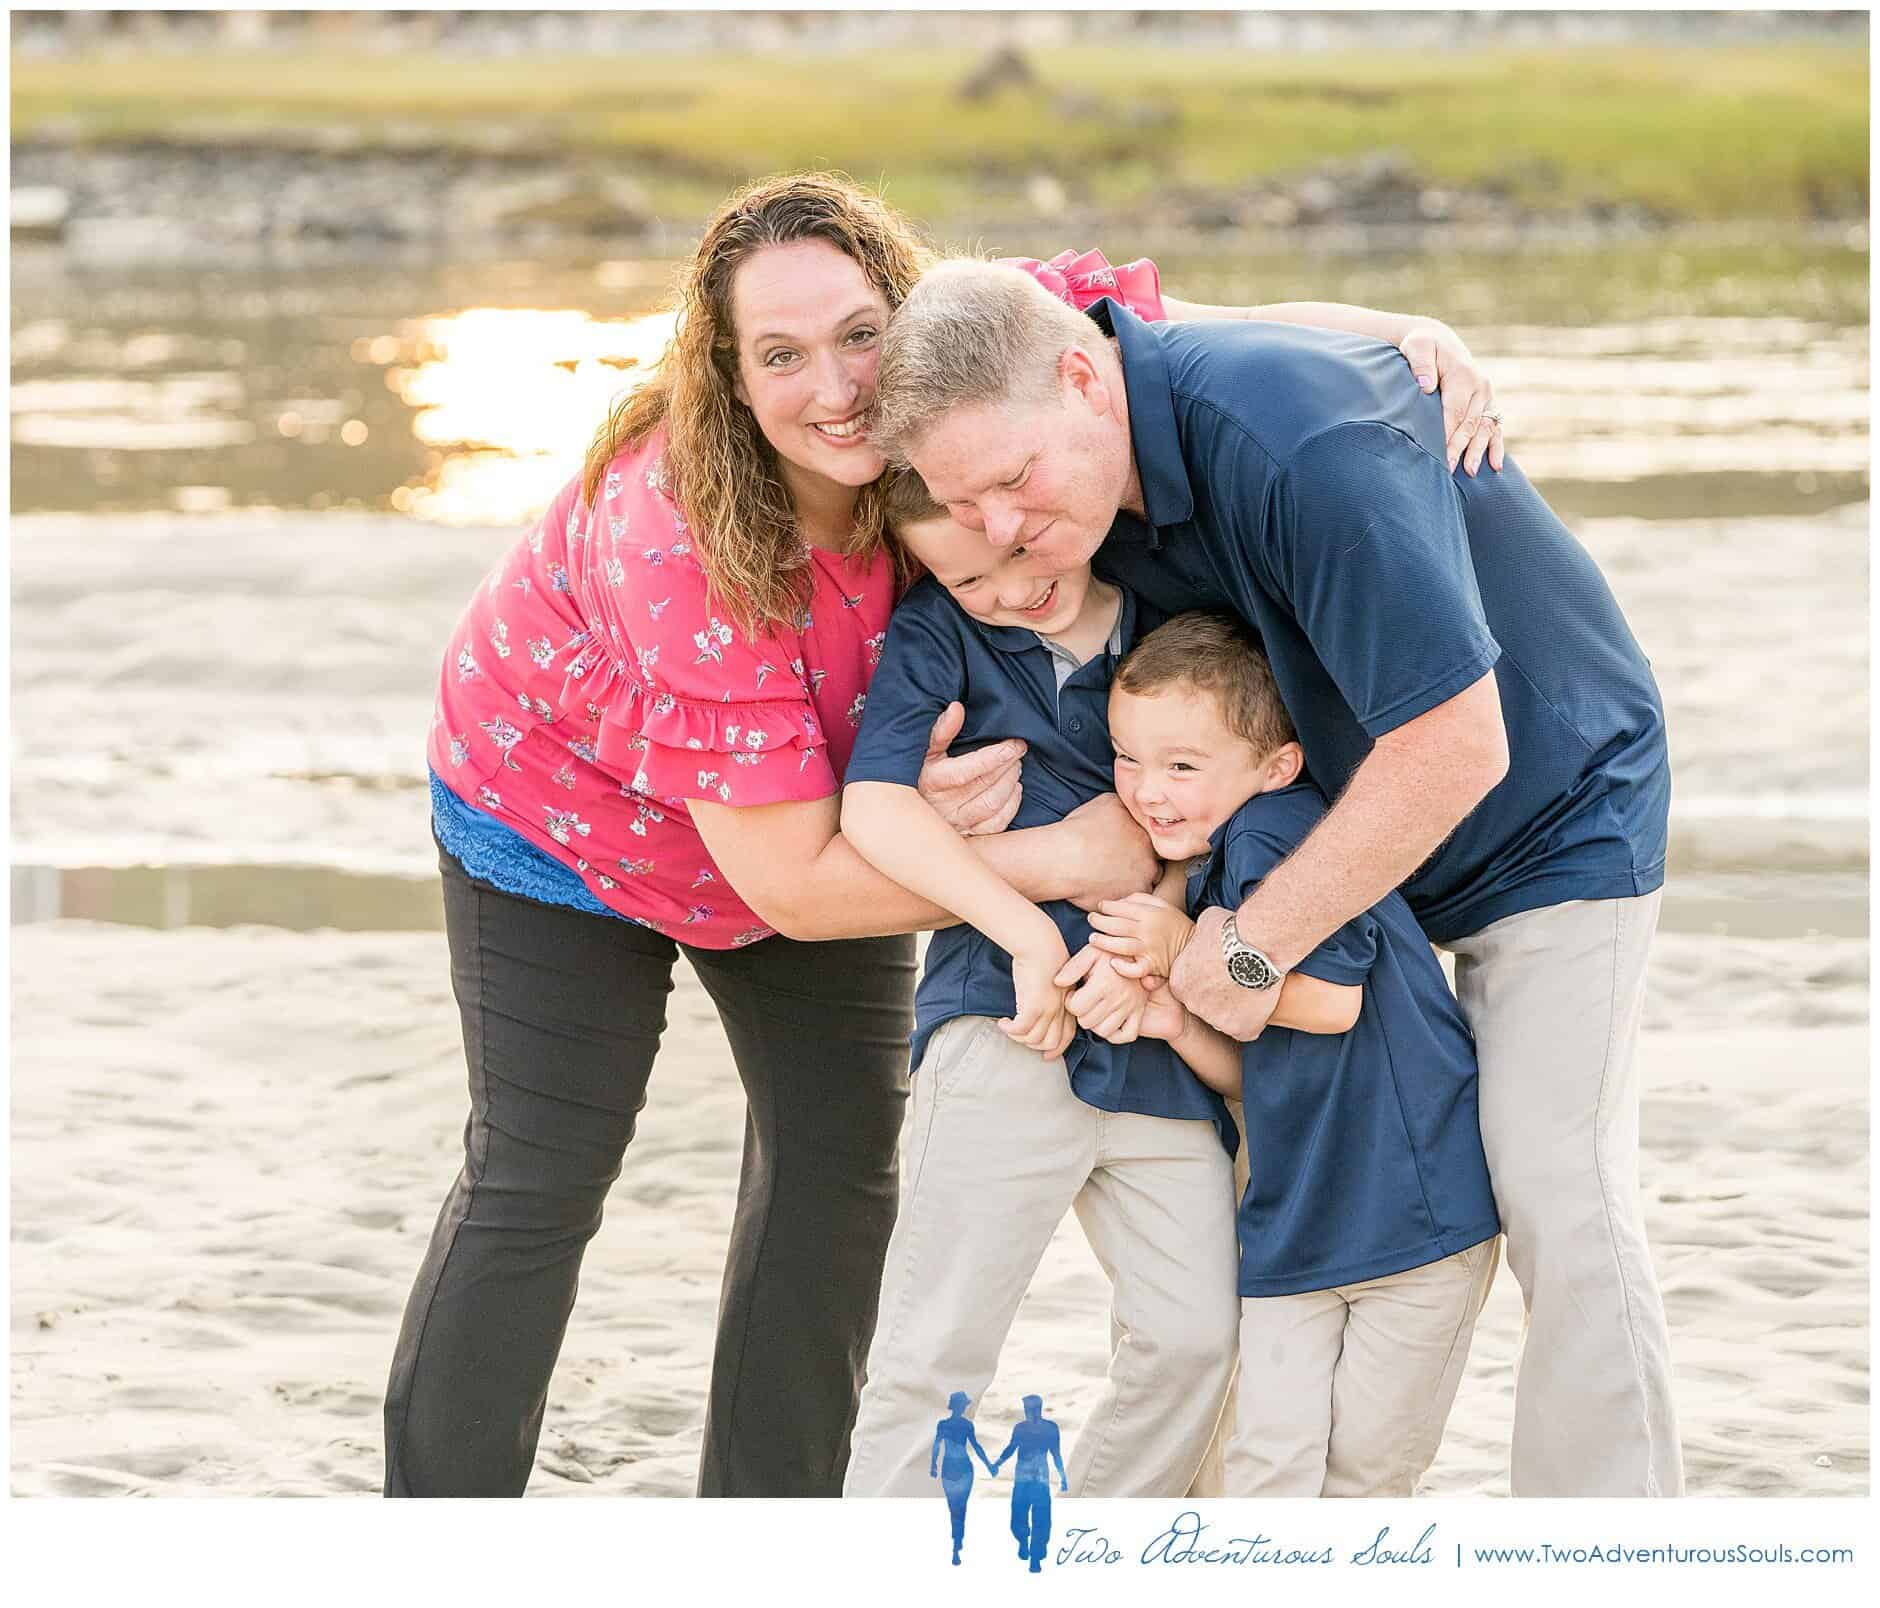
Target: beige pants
1553	997
998	1149
1345	1392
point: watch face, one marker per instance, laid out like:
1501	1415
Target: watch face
1249	970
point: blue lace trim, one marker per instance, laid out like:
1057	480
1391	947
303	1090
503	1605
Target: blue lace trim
494	853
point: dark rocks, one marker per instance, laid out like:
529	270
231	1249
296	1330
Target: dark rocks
1004	68
347	191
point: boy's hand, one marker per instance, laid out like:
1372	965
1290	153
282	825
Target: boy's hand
977	793
1145	934
1103	1003
1163	1016
1042	1021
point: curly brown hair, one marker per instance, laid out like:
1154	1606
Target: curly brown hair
722	471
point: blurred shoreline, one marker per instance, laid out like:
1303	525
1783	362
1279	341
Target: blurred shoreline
179	200
1210	127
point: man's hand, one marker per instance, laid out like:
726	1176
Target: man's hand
1201	983
1104	1003
1112	855
1144	932
974	793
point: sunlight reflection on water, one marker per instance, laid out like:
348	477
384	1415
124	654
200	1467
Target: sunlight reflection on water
510	398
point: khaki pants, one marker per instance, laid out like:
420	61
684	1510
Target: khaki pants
1553	997
999	1148
1344	1392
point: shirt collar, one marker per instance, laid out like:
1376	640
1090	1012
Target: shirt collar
1217	839
1166	496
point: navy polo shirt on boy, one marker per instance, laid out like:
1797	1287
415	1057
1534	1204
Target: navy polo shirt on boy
1004	676
1297	477
1363	1148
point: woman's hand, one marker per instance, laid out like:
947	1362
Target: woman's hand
1042	1020
1145	934
1471	427
1103	1002
1110	855
975	793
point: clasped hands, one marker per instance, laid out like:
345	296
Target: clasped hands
1118	982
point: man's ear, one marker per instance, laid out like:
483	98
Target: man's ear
1284	765
1078	372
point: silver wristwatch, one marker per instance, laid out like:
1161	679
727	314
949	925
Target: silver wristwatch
1245	964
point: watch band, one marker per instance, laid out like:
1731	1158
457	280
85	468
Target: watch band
1247	966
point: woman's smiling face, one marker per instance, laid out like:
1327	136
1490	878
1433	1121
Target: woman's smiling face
809	326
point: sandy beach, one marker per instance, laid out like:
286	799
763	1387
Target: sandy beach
228	1147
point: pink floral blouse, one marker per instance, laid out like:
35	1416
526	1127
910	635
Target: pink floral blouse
589	690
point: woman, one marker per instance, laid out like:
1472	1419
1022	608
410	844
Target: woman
639	740
955	1433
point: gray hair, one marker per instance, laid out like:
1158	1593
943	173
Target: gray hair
970	334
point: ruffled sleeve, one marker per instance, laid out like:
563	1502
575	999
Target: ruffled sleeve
688	706
1085	277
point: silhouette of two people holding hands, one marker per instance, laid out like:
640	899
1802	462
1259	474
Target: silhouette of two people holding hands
1034	1440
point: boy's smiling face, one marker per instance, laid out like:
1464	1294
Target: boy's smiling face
1181	772
997	585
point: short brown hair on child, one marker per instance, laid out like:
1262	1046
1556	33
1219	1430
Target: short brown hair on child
1218	655
905	499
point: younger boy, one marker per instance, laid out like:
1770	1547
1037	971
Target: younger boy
1368	1235
1015	1116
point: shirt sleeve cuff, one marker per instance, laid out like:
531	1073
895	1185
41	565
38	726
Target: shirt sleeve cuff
1440	691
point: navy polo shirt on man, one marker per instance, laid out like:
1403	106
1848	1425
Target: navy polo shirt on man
1004	676
1297	477
1364	1150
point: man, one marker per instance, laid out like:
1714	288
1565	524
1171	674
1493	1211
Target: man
1034	1439
1465	687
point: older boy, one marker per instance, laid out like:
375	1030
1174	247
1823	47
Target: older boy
1016	1118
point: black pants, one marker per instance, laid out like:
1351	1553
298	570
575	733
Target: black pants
562	1013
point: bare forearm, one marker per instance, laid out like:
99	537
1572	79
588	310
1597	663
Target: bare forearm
1381	326
1211	1055
898	833
1040	861
843	896
1173	886
1389	328
1312	1005
790	863
1412	790
1397	809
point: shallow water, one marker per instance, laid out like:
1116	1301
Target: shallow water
250	500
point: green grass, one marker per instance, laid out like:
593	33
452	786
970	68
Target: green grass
1776	132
